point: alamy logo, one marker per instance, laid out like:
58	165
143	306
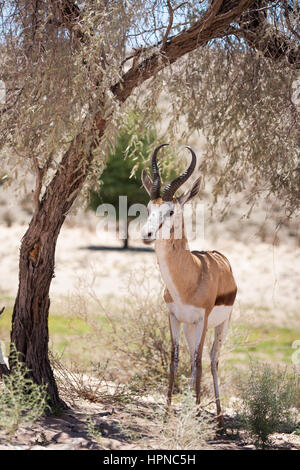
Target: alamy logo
192	215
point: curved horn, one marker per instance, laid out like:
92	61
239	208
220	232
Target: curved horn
155	190
172	187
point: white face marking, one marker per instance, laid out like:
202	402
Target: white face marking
159	222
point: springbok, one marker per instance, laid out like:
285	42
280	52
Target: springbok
200	287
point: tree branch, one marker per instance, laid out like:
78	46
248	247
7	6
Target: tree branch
170	24
262	36
288	21
74	167
210	26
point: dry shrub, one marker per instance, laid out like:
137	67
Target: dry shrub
269	397
140	337
94	386
186	427
135	334
22	401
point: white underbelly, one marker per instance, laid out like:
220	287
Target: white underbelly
218	315
186	313
191	314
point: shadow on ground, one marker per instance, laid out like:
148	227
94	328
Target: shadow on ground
117	248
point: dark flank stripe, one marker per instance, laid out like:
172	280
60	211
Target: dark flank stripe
226	299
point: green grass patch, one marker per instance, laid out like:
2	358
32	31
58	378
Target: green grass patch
270	342
63	325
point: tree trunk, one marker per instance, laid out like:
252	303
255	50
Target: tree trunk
36	266
30	316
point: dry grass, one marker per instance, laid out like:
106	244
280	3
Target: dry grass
185	428
74	383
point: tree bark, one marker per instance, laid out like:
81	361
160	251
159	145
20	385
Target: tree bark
30	316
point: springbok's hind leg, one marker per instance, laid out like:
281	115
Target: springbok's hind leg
201	328
189	330
220	335
175	332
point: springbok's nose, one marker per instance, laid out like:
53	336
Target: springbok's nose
147	233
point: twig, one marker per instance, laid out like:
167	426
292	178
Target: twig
170	24
288	21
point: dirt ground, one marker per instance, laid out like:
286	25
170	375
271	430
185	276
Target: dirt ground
117	427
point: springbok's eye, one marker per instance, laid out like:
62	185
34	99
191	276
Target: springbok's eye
170	213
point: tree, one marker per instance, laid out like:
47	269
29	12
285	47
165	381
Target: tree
71	72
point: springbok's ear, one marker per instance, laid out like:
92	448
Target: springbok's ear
188	195
147	182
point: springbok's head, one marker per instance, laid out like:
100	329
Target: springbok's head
165	211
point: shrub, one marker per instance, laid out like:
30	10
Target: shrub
141	335
21	400
268	396
187	428
91	385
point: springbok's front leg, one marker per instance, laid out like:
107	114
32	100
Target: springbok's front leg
175	332
197	364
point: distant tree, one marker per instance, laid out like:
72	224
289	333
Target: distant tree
122	175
